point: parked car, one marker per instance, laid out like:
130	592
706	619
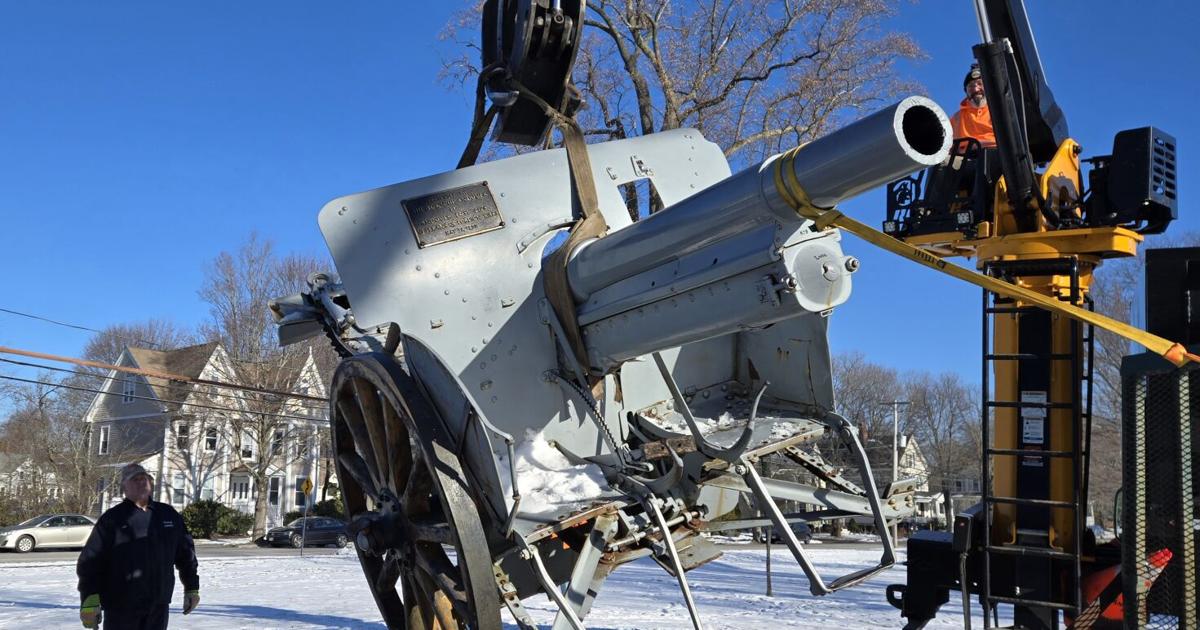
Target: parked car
47	531
802	530
321	530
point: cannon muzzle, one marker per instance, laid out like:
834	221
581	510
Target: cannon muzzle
738	253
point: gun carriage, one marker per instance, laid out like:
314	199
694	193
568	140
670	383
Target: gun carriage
536	389
485	459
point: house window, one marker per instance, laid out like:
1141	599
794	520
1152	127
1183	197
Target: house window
210	439
301	446
206	492
177	484
240	487
104	431
301	498
273	494
181	435
247	446
277	443
127	389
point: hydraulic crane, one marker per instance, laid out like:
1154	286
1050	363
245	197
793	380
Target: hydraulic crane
1037	234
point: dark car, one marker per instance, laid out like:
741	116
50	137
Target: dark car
321	530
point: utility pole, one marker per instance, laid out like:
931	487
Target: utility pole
895	405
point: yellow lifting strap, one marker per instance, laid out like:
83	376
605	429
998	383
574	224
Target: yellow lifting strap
790	189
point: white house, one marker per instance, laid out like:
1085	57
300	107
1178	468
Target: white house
20	474
202	441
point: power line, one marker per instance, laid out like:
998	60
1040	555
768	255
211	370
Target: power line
136	397
155	374
105	332
75	326
113	378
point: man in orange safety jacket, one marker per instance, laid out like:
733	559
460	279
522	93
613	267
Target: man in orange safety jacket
973	119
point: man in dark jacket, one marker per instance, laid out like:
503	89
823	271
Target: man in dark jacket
125	569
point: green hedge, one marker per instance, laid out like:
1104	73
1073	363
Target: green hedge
201	518
235	523
205	519
329	507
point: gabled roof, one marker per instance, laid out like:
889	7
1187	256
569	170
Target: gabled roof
188	361
11	461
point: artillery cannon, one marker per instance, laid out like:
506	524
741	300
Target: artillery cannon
486	457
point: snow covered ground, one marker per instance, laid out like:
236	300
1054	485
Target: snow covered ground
330	592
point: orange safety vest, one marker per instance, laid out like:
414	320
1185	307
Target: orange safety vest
973	122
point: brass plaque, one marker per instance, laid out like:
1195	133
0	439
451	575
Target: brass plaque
449	215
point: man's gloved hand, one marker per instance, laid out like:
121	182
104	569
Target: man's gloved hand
191	599
89	611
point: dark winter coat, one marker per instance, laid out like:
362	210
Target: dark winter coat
129	557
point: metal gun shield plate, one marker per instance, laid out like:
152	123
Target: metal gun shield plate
475	301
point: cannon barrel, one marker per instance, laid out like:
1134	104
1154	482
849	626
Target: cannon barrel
737	255
906	137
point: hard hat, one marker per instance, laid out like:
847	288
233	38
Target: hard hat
972	74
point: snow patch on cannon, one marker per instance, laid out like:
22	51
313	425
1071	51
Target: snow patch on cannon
548	481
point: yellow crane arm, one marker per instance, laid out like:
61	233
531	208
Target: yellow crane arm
791	190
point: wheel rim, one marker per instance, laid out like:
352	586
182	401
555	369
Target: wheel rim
25	544
406	513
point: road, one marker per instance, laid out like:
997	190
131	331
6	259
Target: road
230	551
202	551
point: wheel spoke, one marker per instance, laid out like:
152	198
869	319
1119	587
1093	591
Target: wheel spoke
430	530
343	443
433	561
443	610
352	415
367	400
412	608
387	599
353	464
398	445
423	603
416	491
389	572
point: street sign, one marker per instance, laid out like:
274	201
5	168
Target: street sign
306	488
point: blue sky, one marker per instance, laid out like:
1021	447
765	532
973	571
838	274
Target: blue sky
140	139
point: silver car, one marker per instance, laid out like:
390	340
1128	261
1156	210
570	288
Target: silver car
47	531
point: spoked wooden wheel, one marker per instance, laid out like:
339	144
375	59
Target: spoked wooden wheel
408	502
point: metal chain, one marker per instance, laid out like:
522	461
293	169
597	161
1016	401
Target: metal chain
594	406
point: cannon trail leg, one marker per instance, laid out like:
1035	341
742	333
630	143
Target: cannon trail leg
530	552
587	574
651	504
409	504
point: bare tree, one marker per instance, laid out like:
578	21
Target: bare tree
754	76
265	435
48	429
860	390
156	334
944	416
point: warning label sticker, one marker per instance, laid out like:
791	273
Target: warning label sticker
1033	419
